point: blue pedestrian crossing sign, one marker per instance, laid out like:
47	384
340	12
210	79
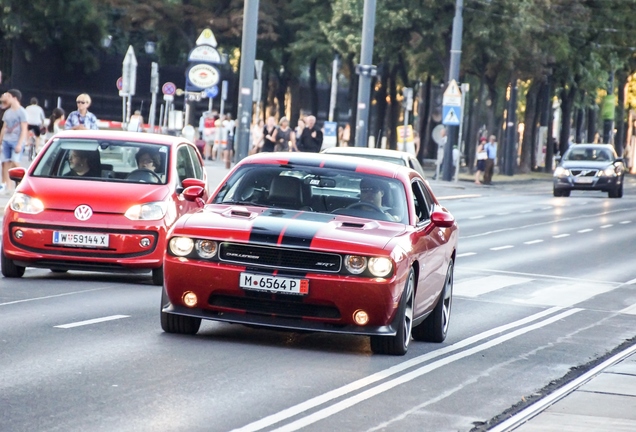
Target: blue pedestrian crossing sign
451	115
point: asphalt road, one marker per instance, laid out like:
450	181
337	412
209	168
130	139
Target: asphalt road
543	285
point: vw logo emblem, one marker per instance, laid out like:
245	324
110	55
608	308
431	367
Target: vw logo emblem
83	212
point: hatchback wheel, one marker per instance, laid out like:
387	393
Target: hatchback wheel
435	327
172	323
9	269
399	344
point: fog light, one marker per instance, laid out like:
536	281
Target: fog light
145	242
189	299
19	234
360	317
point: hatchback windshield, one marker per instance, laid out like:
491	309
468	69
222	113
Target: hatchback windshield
110	161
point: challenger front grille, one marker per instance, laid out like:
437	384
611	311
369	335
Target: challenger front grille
279	258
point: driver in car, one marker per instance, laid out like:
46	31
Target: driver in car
147	160
372	192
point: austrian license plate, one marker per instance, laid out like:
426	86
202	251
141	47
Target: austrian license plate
276	284
583	179
80	239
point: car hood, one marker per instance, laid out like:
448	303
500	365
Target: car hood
290	228
102	197
585	164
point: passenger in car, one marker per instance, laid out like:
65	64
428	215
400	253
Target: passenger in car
84	164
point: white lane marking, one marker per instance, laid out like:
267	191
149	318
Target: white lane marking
586	230
92	321
498	248
531	242
526	211
479	286
630	310
564	295
378	376
410	376
48	297
542	404
551	222
502	214
467	254
606	226
624	222
546	208
630	282
539	275
560	236
476	217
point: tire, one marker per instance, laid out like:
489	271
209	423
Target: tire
556	192
399	344
435	327
180	324
9	269
157	276
616	192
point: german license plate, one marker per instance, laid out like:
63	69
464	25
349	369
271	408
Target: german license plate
80	239
276	284
583	179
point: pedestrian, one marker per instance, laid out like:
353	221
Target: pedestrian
346	136
482	155
4	105
311	138
230	125
13	135
491	151
257	136
208	134
269	134
55	123
35	119
81	118
136	122
285	137
300	127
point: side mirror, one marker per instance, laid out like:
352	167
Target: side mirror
194	194
557	159
17	174
442	219
193	182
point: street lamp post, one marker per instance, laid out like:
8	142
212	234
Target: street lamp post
366	71
453	74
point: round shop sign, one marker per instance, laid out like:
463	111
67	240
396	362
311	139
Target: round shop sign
203	75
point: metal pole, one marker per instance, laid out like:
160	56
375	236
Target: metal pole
460	145
511	131
246	78
364	85
160	117
453	74
334	87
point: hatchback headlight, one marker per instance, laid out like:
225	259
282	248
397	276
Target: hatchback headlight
380	266
610	171
149	211
206	248
23	203
561	172
181	246
355	264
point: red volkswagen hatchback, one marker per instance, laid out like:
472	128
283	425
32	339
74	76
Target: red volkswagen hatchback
99	201
315	242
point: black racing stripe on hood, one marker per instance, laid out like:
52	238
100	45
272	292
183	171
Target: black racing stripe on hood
267	228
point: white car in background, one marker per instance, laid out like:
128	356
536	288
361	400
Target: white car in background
392	156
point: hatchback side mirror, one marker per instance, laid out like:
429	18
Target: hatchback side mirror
17	174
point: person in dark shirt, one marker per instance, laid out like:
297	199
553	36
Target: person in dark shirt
311	137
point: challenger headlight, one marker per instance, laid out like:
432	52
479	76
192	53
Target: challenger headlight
181	246
561	172
380	266
206	248
610	171
26	204
148	211
355	264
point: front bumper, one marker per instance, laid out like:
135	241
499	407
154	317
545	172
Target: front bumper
596	183
328	307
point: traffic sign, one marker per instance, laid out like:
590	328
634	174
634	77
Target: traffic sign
193	96
120	83
452	95
169	88
211	92
129	72
206	38
451	115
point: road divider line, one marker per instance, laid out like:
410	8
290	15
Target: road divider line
378	376
606	226
92	321
467	254
560	236
531	242
50	297
410	376
498	248
586	230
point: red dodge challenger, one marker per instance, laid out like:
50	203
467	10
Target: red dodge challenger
99	201
315	242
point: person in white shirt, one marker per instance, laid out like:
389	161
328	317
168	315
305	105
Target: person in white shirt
35	119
